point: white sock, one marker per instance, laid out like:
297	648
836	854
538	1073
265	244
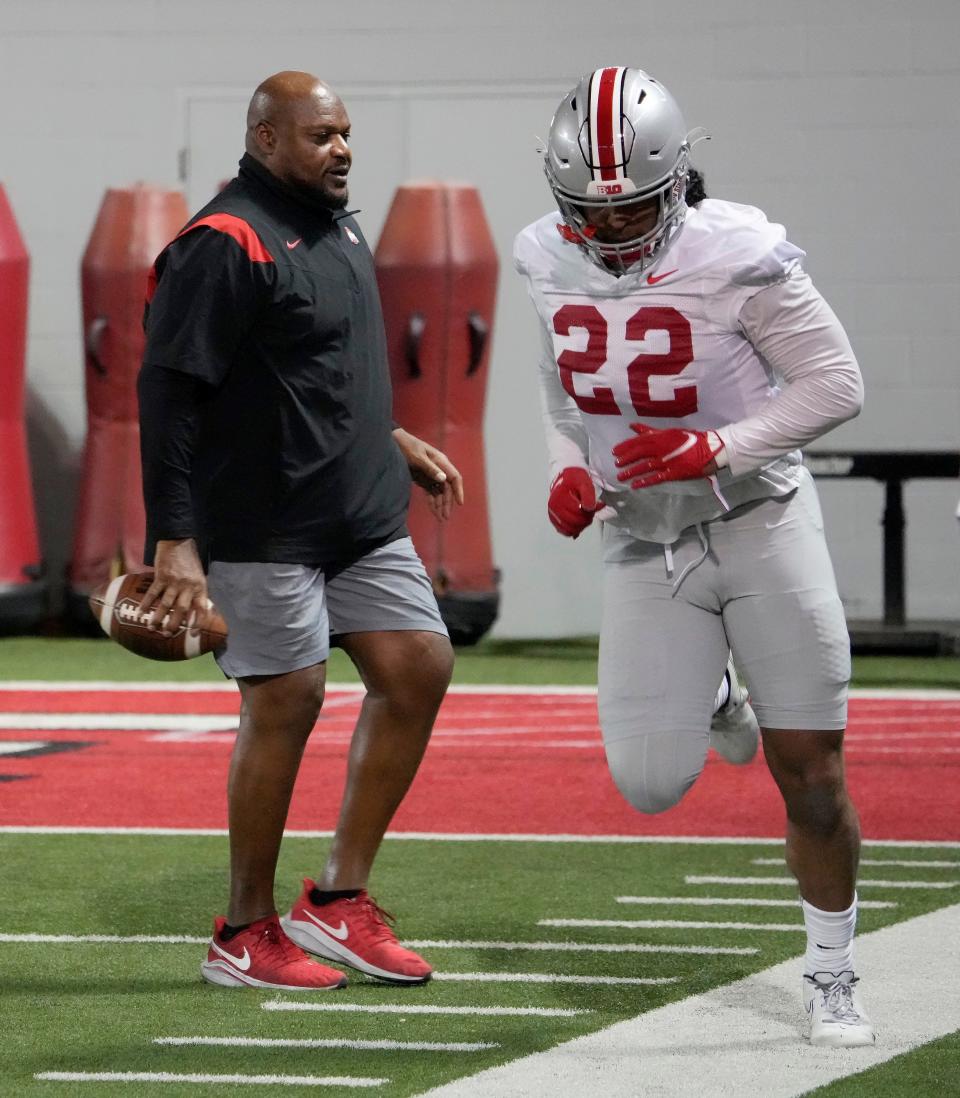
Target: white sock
829	939
723	693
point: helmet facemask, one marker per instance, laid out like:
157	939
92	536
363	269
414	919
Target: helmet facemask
638	253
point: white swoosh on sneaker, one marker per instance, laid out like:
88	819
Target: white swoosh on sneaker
243	963
341	932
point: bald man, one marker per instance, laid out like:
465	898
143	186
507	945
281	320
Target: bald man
277	484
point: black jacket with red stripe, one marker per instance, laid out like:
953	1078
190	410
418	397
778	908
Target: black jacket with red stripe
265	398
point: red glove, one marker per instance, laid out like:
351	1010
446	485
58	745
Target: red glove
573	502
671	454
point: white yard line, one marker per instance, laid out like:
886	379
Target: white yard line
225	722
735	901
393	1008
551	978
885	693
928	750
576	947
875	862
578	745
104	939
896	736
748	1035
463	837
670	924
792	882
105	722
508	730
214	728
11	747
228	1080
383	1045
74	685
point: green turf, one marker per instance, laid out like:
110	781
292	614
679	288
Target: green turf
89	1008
932	1071
571	662
97	1007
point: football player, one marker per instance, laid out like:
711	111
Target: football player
686	359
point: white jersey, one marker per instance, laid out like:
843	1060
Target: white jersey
681	346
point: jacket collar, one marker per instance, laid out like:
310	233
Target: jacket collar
252	169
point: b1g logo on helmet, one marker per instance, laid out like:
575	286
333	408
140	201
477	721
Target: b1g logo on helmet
609	188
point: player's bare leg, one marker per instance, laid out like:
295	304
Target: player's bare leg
823	831
406	673
823	848
276	718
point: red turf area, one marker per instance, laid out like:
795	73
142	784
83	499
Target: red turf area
498	763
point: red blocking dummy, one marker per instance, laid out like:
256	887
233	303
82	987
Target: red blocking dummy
22	588
437	272
133	225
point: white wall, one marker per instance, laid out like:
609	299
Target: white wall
839	118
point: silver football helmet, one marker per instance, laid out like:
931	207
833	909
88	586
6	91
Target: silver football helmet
618	139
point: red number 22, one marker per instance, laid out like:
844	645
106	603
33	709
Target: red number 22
639	371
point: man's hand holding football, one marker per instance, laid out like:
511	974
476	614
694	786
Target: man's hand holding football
179	588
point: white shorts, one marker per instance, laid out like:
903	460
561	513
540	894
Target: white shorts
281	616
765	588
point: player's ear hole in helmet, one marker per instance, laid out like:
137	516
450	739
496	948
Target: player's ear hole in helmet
618	148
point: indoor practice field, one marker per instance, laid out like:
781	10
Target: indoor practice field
579	947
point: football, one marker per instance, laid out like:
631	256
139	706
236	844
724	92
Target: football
114	604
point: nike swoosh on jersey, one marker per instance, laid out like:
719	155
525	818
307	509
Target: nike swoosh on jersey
291	244
341	933
243	963
653	279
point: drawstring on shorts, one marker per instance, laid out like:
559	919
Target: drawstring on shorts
668	559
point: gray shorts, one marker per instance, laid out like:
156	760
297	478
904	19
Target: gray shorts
765	589
281	616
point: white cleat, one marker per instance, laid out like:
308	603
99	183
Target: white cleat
837	1018
734	730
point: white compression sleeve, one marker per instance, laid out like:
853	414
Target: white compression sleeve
801	338
566	438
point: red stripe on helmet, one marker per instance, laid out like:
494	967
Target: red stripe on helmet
607	111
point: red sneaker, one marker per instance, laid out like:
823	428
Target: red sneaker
354	932
263	956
